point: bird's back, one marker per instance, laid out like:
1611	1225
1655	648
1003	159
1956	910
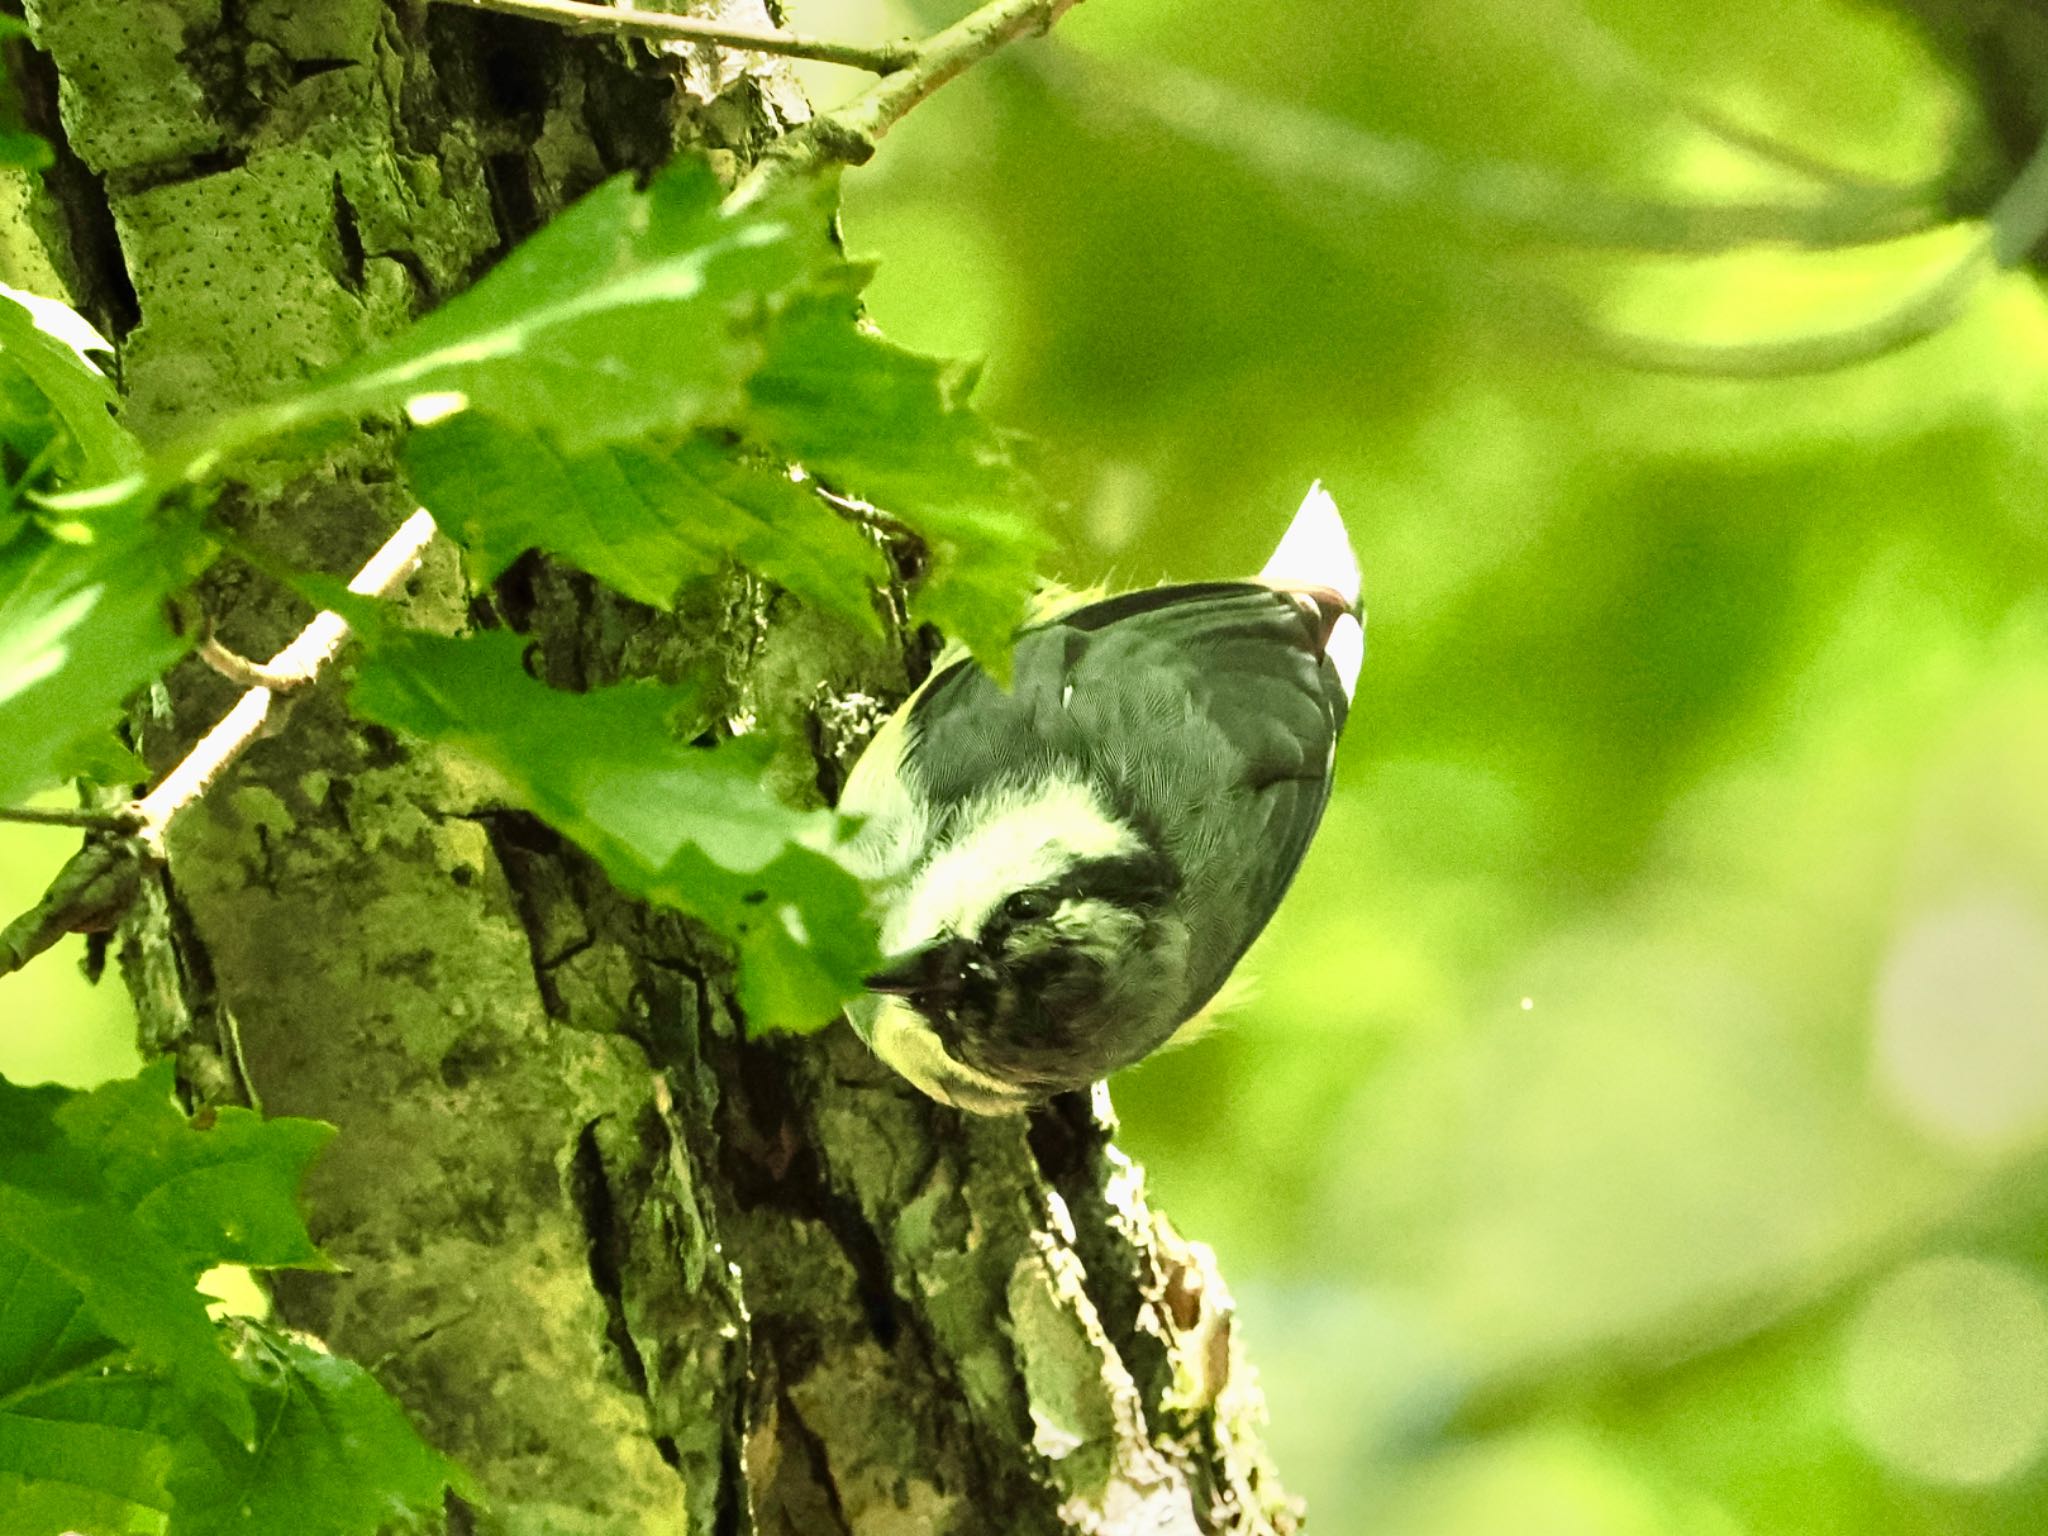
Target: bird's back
1203	715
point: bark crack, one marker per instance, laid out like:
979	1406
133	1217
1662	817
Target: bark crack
590	1188
102	288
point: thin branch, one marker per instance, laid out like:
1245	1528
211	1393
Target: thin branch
241	671
295	666
943	56
1308	156
849	134
583	16
2014	227
1927	312
118	819
1602	57
95	886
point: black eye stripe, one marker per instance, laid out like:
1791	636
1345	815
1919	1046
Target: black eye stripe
1142	881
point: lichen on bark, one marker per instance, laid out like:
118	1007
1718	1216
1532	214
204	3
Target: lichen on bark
638	1271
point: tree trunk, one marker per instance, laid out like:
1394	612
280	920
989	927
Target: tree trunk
638	1272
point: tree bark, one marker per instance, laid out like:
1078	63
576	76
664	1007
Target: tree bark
638	1272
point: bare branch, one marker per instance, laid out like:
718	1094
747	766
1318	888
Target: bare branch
1319	161
849	134
240	670
1927	312
96	884
2015	226
584	16
293	667
118	819
1607	61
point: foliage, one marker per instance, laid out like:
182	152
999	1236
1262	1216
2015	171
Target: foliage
18	147
627	391
693	827
641	518
895	427
82	596
123	1405
651	389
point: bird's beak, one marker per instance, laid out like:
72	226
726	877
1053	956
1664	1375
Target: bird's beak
930	969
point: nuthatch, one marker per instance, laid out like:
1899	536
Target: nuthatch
1072	866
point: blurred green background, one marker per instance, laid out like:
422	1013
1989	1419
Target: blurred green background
1641	1124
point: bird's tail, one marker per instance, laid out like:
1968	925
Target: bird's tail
1315	562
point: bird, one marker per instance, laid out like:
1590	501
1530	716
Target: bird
1069	868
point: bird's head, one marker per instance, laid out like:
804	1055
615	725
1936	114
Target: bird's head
1040	951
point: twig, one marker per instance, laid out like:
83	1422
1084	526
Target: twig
849	134
97	883
1307	156
583	16
118	819
2015	225
1603	58
241	671
296	665
1930	310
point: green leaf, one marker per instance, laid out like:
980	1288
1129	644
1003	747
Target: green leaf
115	1202
17	146
640	518
134	1288
894	428
31	151
334	1455
95	1436
220	1189
80	1446
82	626
82	621
76	1448
640	318
693	827
47	344
632	311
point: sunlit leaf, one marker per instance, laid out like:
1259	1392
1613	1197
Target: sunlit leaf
333	1454
31	151
18	146
640	517
49	345
632	311
555	404
894	427
82	626
693	827
220	1189
57	1211
80	1444
121	1171
111	1203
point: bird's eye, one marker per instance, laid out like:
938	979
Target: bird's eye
1029	906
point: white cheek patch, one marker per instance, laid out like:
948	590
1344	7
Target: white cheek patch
876	791
908	1044
1015	838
